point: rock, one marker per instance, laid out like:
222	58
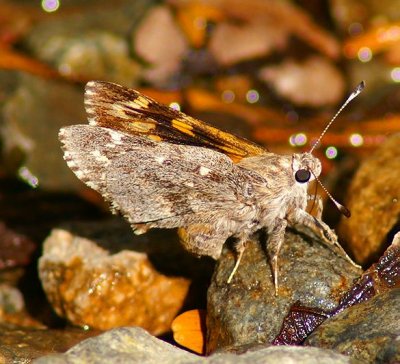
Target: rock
91	55
15	248
231	43
134	345
22	344
374	201
33	115
159	41
12	308
11	299
246	312
367	332
381	277
101	284
91	43
325	84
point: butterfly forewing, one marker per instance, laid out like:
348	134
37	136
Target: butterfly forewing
120	108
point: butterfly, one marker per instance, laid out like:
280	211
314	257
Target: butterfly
161	168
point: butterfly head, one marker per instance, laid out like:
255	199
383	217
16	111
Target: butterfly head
305	167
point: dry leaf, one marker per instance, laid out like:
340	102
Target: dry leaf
189	330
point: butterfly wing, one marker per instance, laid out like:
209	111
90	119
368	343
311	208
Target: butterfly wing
120	108
155	184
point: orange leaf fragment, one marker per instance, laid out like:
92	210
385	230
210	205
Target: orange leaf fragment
11	60
377	39
193	18
189	330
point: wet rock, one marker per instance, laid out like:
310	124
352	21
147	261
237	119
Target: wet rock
22	344
367	332
247	312
134	345
33	115
374	202
102	284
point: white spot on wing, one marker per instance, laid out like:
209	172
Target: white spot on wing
71	164
101	158
204	171
115	136
92	185
160	159
79	174
89	110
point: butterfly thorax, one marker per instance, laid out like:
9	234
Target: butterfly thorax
278	191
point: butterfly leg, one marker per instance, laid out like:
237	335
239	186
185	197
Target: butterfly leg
240	247
322	230
275	241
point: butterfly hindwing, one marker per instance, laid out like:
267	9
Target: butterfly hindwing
155	183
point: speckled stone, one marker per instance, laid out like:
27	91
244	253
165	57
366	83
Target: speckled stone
100	283
368	332
374	202
22	344
247	312
134	345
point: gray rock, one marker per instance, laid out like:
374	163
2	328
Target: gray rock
247	312
134	345
102	55
33	115
369	331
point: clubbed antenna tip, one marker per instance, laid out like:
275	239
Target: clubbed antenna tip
354	94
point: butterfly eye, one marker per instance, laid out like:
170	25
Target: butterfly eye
302	175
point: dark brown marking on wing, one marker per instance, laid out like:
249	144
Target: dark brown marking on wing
120	108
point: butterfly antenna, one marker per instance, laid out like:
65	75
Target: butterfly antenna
353	95
343	209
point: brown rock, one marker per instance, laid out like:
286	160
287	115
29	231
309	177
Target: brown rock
247	313
89	285
231	43
374	201
15	249
22	344
160	42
